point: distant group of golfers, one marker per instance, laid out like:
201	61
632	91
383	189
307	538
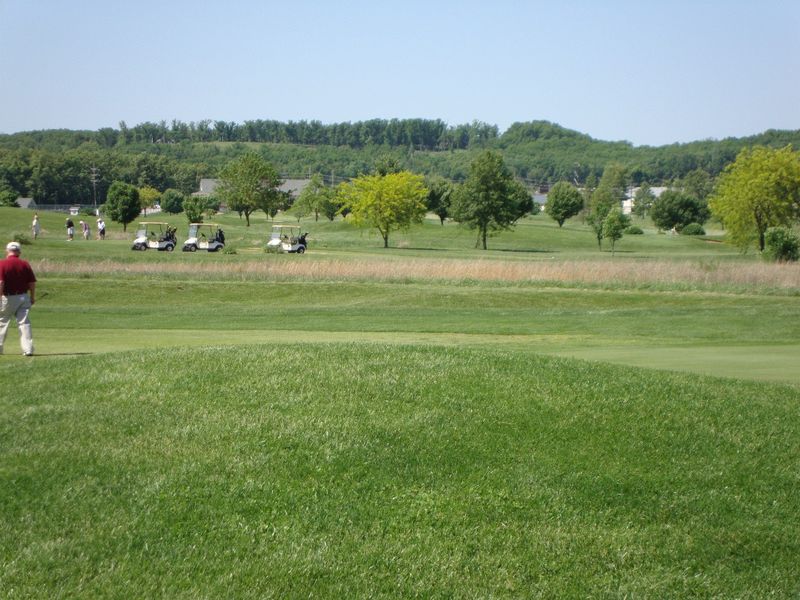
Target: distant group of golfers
86	231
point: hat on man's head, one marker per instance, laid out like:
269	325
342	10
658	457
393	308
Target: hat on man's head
13	247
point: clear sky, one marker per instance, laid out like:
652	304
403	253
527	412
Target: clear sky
650	72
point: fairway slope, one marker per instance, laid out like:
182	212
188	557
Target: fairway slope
362	470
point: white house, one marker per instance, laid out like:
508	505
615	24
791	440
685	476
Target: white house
627	204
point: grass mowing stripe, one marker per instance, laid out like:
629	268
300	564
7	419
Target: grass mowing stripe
392	470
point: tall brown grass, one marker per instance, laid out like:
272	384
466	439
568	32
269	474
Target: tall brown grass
690	274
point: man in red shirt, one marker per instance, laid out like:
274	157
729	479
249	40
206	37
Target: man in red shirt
17	295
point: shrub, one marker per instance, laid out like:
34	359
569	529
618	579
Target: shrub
88	211
193	207
781	244
20	238
634	230
693	229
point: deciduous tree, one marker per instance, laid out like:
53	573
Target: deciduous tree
643	201
439	193
249	183
313	198
172	201
122	204
148	197
678	209
614	226
490	199
761	189
603	200
563	201
386	202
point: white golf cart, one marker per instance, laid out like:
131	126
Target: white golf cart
204	236
156	236
287	238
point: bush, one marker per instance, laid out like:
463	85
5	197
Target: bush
634	230
20	238
781	244
693	229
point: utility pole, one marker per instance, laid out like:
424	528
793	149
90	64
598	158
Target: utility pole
93	173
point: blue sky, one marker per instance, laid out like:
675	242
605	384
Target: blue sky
647	72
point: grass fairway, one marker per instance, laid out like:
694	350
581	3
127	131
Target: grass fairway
352	470
361	422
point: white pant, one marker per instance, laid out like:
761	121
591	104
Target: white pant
17	306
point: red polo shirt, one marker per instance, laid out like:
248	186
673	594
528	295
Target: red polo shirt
16	275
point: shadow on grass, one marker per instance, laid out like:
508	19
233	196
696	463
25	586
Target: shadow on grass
35	354
527	251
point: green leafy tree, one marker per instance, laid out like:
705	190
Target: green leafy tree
615	178
643	201
172	201
440	191
386	202
603	200
761	189
122	203
614	226
490	199
589	186
249	183
8	197
563	202
678	209
312	199
386	165
697	183
332	205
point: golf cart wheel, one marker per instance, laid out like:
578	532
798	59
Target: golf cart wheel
169	248
301	249
191	248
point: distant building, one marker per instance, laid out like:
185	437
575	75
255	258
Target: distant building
295	186
207	187
627	204
27	203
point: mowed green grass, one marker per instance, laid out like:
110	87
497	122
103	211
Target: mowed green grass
200	435
368	470
534	238
750	336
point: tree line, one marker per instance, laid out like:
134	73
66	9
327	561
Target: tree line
421	134
54	166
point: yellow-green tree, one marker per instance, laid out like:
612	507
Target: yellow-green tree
148	197
386	202
759	190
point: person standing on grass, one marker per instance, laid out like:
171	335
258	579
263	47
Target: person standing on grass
85	230
36	227
70	229
17	295
101	229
